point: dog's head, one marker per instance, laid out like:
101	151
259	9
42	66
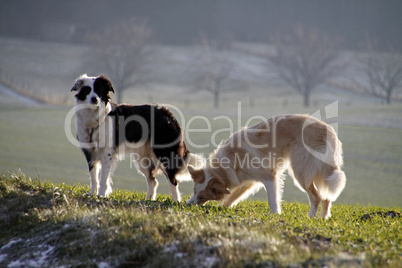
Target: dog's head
206	187
92	90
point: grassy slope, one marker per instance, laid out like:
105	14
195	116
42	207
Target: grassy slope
45	224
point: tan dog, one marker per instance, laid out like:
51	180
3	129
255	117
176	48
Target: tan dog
257	156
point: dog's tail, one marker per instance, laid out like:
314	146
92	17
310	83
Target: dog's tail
196	160
336	181
322	160
331	187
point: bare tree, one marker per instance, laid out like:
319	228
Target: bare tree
123	51
383	73
215	68
304	60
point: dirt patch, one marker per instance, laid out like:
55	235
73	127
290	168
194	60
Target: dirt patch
390	213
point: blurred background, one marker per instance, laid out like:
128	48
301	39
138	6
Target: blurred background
230	58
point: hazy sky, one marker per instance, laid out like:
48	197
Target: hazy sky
180	21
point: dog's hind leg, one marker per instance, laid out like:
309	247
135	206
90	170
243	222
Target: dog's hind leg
173	184
314	199
170	174
149	170
303	173
152	184
325	209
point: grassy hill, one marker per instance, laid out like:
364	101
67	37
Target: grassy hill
43	224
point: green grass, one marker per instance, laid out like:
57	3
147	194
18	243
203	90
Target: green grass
47	224
33	140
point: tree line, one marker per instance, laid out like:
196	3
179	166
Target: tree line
304	59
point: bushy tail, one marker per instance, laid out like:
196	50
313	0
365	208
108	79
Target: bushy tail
196	160
334	183
331	187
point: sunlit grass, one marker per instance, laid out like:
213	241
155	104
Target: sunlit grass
77	228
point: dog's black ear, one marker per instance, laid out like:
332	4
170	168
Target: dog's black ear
106	83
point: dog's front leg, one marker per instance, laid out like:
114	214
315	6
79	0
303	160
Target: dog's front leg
174	189
93	167
149	171
108	163
271	186
94	173
152	186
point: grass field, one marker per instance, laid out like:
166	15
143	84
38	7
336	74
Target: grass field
33	140
49	225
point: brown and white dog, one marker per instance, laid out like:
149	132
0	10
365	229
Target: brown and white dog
106	131
258	156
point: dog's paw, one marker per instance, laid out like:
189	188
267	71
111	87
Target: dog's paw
312	214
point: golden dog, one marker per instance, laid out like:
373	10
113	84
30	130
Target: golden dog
258	156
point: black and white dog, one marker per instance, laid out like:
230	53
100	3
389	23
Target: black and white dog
107	131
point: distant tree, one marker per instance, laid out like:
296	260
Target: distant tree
383	74
123	51
214	69
305	60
